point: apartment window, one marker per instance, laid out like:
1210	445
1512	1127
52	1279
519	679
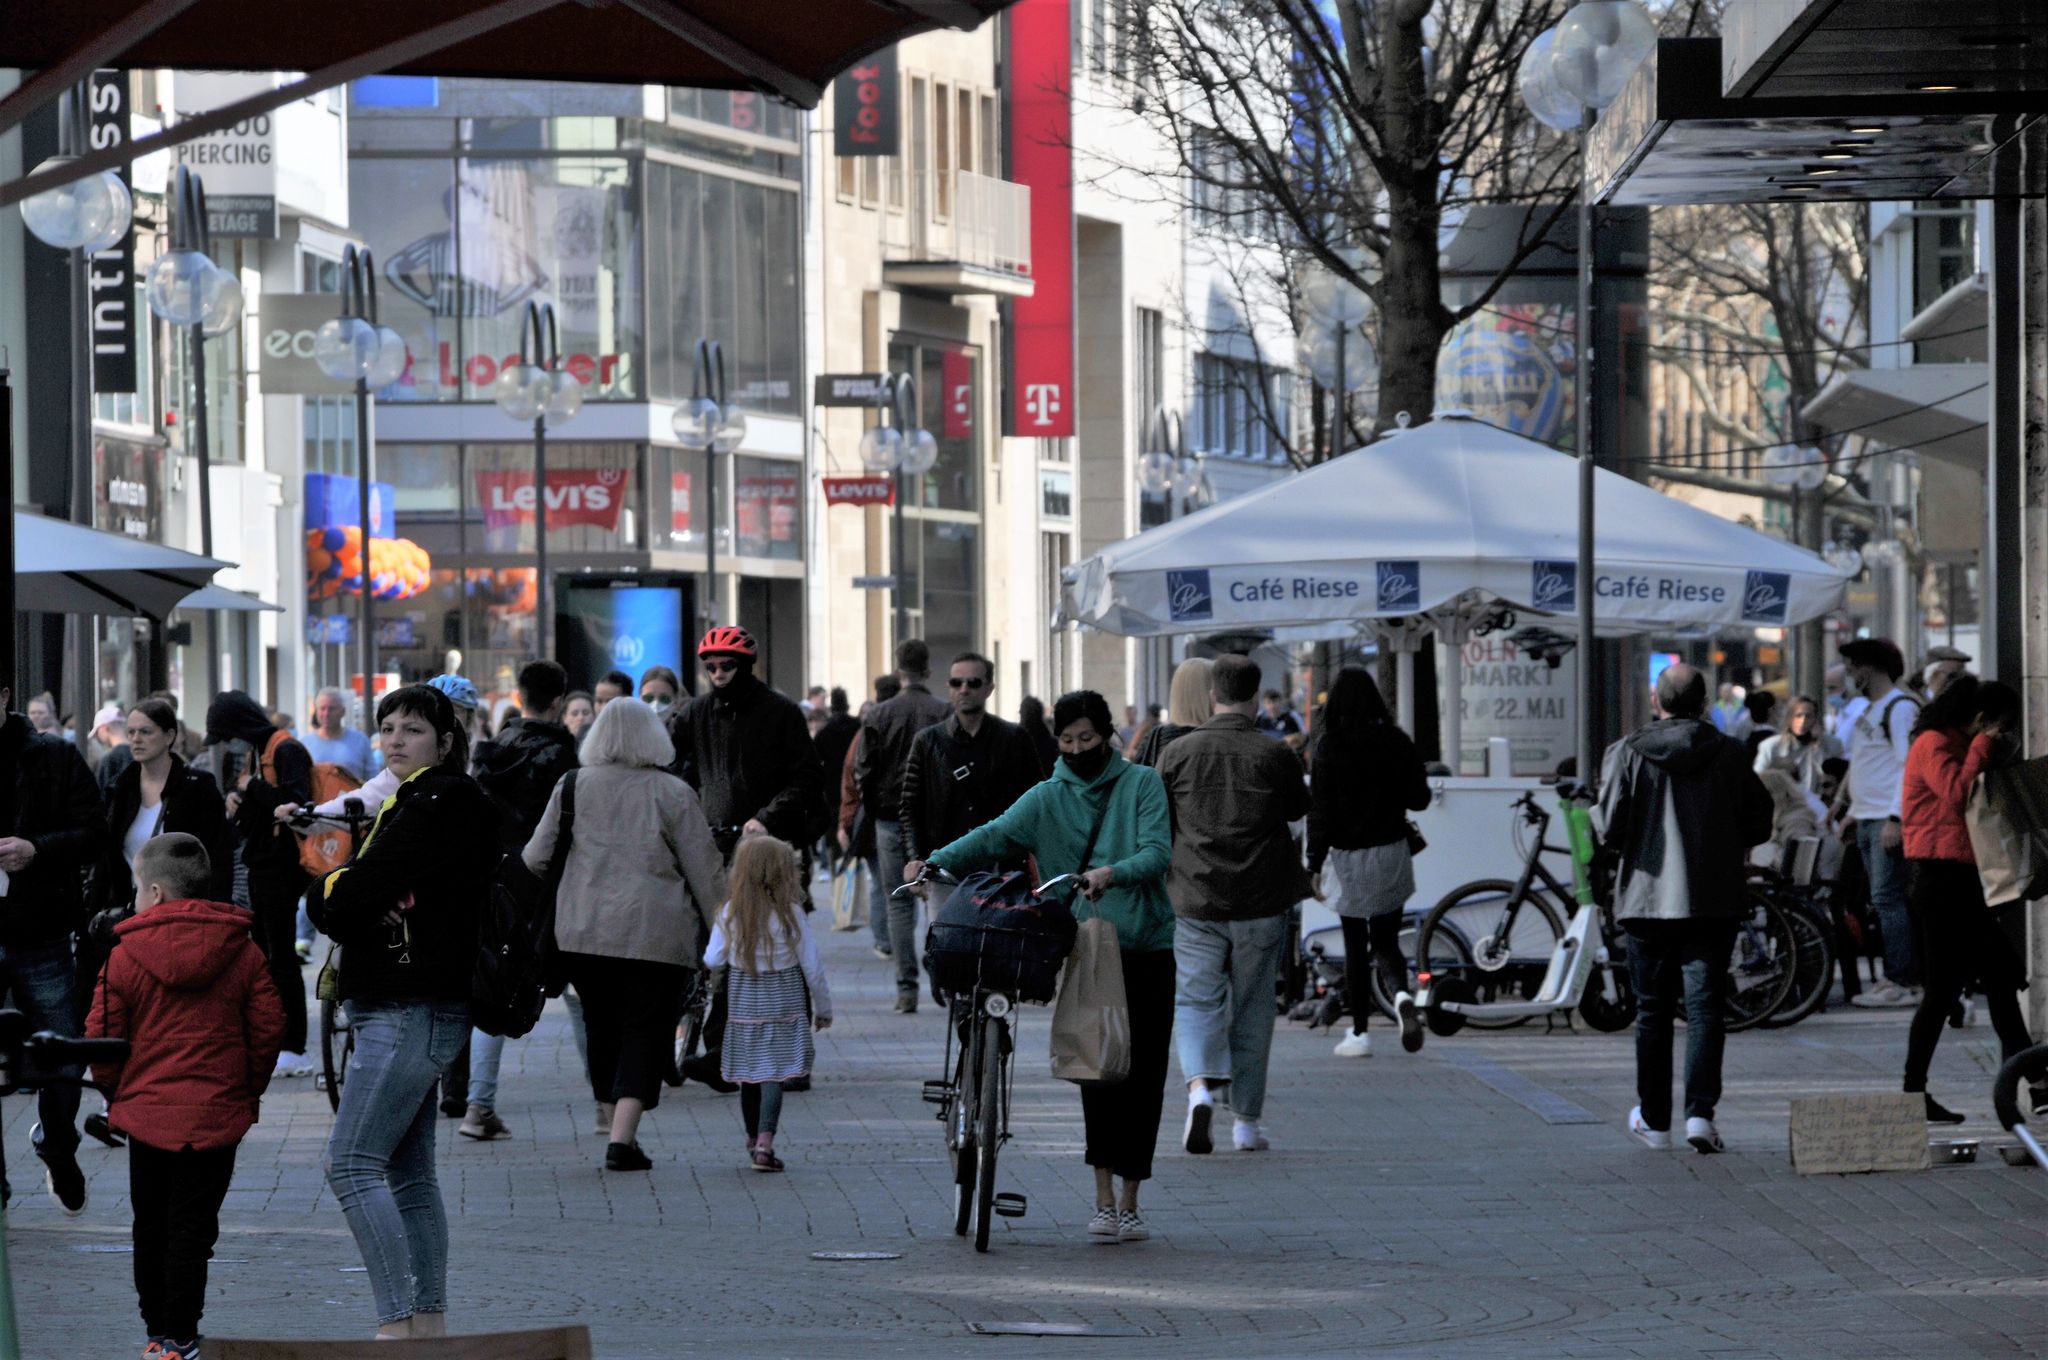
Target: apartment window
1120	36
920	150
991	159
870	181
848	173
1098	36
892	173
1242	409
942	112
1148	364
1944	252
966	133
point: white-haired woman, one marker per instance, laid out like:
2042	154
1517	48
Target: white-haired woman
640	883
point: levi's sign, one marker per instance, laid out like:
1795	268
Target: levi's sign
873	490
592	496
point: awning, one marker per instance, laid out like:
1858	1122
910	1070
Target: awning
1941	410
220	597
1851	48
65	568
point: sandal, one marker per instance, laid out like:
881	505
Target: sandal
765	1160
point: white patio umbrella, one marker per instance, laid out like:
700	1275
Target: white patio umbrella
1432	524
66	568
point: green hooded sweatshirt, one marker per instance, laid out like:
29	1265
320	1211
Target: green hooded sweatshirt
1052	822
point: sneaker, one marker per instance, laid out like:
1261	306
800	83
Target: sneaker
906	1003
1195	1137
1659	1139
1354	1045
1964	1015
304	949
604	1119
1703	1136
1411	1022
1887	996
882	953
61	1175
1938	1113
96	1124
1104	1222
626	1157
155	1349
181	1350
483	1124
1130	1227
292	1065
1247	1136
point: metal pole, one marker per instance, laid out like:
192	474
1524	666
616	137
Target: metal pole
540	535
73	118
711	601
366	622
1582	412
7	617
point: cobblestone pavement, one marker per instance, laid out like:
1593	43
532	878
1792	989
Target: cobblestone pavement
1408	1207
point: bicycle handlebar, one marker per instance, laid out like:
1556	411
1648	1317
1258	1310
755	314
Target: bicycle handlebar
34	1059
932	872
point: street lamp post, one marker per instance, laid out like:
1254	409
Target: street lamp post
354	347
187	289
1568	75
709	425
1166	470
898	443
539	389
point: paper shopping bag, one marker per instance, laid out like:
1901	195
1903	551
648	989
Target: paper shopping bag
2007	817
1091	1021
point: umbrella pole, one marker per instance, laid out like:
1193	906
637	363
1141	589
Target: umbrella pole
1582	417
1404	684
7	676
1454	696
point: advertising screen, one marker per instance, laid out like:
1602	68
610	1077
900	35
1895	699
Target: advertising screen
604	628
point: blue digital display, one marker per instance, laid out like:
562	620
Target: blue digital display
627	628
396	92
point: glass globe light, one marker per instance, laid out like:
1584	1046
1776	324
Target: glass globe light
881	449
1187	475
85	210
345	347
696	423
732	430
1599	46
1810	472
564	396
1781	465
1885	552
1155	472
1536	78
221	300
1335	300
920	452
177	283
521	392
1842	558
389	365
1319	354
117	225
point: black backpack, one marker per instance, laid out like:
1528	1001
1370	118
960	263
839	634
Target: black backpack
517	967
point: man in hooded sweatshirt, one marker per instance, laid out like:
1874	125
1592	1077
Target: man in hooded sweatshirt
275	770
1681	806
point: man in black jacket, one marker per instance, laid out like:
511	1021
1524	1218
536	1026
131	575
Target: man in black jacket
521	766
885	738
833	740
1681	806
50	814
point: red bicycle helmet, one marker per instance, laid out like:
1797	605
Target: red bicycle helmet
728	640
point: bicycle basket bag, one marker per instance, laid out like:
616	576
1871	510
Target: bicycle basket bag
994	932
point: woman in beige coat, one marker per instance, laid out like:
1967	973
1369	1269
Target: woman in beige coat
641	881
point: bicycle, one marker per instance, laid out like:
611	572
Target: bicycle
974	1104
337	1035
1493	953
690	1033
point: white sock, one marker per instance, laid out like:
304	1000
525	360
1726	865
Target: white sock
1201	1095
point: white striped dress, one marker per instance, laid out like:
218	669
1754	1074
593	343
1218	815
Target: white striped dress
769	1008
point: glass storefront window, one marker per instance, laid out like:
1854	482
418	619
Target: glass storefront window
740	110
767	519
947	574
425	478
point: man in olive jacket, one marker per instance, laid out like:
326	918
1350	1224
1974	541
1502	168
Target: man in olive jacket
1231	791
1680	806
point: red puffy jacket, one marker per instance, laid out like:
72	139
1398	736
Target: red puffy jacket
1940	768
191	993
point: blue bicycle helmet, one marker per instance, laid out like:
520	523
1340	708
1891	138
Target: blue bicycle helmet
459	691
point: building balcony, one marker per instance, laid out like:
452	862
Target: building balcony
982	245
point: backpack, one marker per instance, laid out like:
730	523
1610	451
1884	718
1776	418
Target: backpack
322	850
516	962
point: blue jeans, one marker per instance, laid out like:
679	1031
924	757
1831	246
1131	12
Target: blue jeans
890	857
1665	958
1223	1005
486	1051
38	980
380	1158
878	904
1886	870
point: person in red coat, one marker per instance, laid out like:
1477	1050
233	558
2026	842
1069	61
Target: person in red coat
1961	733
189	990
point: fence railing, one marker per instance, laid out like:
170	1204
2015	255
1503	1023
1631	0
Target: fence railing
990	227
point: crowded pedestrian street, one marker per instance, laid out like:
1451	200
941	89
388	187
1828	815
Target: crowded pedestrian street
1479	1199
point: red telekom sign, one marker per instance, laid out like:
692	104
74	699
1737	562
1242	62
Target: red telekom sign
1041	154
592	496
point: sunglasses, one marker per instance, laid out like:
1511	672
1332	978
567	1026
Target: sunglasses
955	682
721	667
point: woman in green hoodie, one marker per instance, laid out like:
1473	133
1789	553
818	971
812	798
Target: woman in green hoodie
1124	882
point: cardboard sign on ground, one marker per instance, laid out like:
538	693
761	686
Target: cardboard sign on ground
1837	1135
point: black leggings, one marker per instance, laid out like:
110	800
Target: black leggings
1379	938
1961	945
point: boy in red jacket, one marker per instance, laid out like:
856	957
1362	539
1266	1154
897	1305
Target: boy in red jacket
191	992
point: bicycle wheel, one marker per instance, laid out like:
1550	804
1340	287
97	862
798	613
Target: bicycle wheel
1813	970
337	1041
960	1141
1507	944
1609	1002
987	1128
1760	966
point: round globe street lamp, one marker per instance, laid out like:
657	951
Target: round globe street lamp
1590	56
1165	467
353	347
709	425
898	443
539	389
187	289
1333	342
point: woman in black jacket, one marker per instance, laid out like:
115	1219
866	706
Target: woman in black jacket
405	914
155	794
1364	780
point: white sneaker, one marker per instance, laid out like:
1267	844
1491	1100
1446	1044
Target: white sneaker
1248	1136
292	1065
1884	996
1354	1045
1659	1139
1703	1136
1195	1137
1104	1222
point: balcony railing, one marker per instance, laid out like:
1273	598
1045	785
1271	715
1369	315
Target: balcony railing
984	247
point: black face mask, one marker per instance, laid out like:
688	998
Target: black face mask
1090	762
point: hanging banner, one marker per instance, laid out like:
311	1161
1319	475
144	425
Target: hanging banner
879	489
956	371
591	496
1041	156
680	521
113	269
867	108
